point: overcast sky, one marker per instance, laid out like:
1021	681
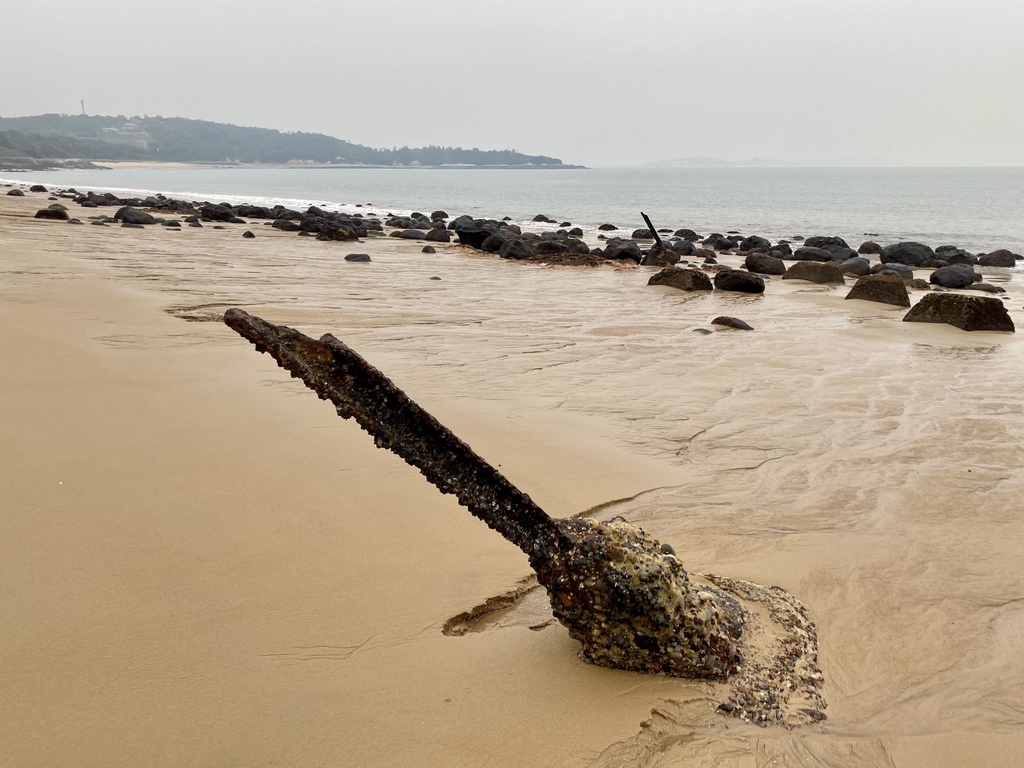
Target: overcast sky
594	82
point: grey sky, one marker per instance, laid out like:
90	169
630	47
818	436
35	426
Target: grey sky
601	82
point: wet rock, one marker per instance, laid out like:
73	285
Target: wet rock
703	331
857	266
687	234
910	253
607	228
683	279
357	257
739	281
953	276
764	264
131	215
438	215
409	234
130	225
540	218
428	249
516	249
473	236
732	322
659	256
285	225
885	289
37	188
870	247
987	288
816	272
809	253
821	241
617	248
15	193
1000	258
893	268
550	248
755	242
683	247
642	234
248	235
216	213
971	313
493	243
50	213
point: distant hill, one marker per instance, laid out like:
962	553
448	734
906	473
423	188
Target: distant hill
176	139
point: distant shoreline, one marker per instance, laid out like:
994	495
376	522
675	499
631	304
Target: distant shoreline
72	164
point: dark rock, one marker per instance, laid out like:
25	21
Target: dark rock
683	279
493	243
428	249
618	248
248	235
172	224
98	223
870	247
88	204
360	257
659	256
987	288
473	236
16	193
910	253
732	322
809	253
953	276
37	188
820	241
409	234
816	272
541	218
516	249
576	232
577	246
285	225
550	247
687	234
565	224
683	247
237	220
886	289
719	242
702	331
857	266
134	216
739	280
754	241
642	234
917	284
841	254
331	231
1000	258
607	227
50	213
893	268
764	264
197	225
74	221
971	313
953	255
130	225
438	215
216	213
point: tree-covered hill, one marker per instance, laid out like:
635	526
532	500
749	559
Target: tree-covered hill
175	139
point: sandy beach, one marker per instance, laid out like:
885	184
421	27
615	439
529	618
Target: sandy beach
201	564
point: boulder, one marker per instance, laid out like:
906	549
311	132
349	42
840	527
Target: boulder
885	289
683	279
821	241
285	225
248	235
439	235
683	247
428	249
857	266
719	242
739	281
971	313
870	247
617	248
331	231
987	288
15	193
52	213
493	243
1000	258
953	276
809	253
550	248
131	215
473	236
910	253
216	213
732	322
37	188
764	264
357	257
607	228
816	272
542	219
516	249
659	257
687	234
755	241
642	234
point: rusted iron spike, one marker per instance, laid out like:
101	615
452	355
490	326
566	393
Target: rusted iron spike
625	597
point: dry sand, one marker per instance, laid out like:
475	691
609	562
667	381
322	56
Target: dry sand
201	564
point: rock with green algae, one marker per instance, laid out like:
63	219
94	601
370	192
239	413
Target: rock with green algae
971	313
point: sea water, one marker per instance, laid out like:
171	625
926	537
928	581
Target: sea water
979	209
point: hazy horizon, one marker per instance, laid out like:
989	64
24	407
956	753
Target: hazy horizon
602	84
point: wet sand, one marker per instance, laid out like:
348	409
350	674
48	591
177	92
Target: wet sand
202	564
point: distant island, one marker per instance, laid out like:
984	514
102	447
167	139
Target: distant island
53	140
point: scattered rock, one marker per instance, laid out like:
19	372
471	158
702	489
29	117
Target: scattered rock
703	331
885	289
429	249
987	288
607	228
953	276
439	235
764	264
248	235
516	249
642	234
52	213
870	247
857	266
15	193
739	281
971	313
1000	258
893	268
131	215
816	272
732	322
754	241
809	253
910	253
37	188
618	248
359	257
659	256
683	279
473	236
